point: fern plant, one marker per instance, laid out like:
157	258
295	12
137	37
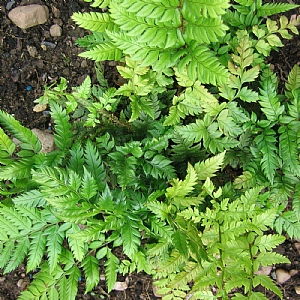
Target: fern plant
141	166
198	258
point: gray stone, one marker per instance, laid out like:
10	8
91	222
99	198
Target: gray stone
55	30
46	139
29	15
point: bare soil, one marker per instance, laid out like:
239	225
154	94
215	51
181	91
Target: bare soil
22	78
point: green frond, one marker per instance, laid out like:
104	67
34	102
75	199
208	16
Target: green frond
54	245
163	34
89	186
63	133
42	283
77	246
202	64
288	149
268	283
270	9
293	82
268	99
7	147
28	139
94	21
130	236
33	198
103	51
18	254
159	167
72	282
204	30
111	267
209	167
267	145
195	9
296	201
76	160
173	264
17	170
181	188
90	266
36	251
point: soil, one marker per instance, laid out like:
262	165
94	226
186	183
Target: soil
22	78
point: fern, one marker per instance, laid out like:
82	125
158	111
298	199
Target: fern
28	140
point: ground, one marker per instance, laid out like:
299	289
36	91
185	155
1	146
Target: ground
22	77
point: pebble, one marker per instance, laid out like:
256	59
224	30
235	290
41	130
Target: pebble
55	30
46	139
28	16
39	107
297	290
120	286
32	51
46	44
282	275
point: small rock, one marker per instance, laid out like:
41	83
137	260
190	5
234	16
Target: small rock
46	139
120	286
55	30
282	276
32	51
2	278
46	44
39	107
29	15
293	272
297	290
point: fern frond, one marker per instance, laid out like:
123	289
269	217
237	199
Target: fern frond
203	65
159	167
209	167
28	139
293	82
33	198
7	147
97	22
18	254
111	267
90	266
163	34
130	236
77	246
63	134
72	282
269	9
103	51
267	282
183	188
269	101
43	281
36	250
173	264
205	31
266	144
288	149
203	9
54	245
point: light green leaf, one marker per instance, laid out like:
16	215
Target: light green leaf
90	266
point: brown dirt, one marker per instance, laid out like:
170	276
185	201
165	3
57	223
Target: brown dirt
22	78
